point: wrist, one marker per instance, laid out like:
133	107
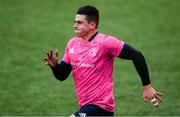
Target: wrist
147	86
54	66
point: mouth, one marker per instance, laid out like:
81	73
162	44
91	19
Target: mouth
77	30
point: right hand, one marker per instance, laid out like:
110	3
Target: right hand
52	58
149	93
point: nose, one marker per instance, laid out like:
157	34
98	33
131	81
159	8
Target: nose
75	25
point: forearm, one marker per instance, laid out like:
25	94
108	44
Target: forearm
139	62
61	71
141	67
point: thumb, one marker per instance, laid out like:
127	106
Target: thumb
145	99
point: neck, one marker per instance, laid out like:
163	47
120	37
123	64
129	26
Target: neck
89	35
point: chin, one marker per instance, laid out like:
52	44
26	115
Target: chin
78	35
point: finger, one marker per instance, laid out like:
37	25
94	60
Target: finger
51	53
159	98
145	99
48	54
46	63
159	93
56	52
46	59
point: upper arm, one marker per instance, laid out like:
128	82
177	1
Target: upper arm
128	52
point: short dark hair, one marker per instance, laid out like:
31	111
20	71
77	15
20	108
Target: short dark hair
92	13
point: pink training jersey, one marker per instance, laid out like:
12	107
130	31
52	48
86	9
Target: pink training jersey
92	66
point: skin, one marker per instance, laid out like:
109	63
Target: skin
82	28
85	30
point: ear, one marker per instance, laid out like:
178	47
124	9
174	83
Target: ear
93	25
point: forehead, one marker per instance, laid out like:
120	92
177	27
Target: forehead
79	17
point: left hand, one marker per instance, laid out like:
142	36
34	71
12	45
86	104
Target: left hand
150	93
51	58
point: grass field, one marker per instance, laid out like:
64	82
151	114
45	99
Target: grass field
28	28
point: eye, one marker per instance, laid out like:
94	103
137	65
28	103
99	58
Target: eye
79	22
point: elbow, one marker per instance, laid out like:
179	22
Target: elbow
137	57
62	71
139	54
60	78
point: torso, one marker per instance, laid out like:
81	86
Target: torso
92	70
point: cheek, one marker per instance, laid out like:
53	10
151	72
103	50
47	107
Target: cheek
85	28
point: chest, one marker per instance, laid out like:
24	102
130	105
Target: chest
86	54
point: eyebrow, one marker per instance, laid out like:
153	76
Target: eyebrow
78	21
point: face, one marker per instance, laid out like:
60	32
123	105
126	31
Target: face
82	27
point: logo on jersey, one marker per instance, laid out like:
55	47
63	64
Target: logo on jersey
71	50
82	114
93	52
80	60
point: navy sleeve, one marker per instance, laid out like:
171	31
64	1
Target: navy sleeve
61	71
129	53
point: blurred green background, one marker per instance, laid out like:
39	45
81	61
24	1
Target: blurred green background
28	28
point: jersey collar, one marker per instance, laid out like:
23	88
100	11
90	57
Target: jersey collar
93	36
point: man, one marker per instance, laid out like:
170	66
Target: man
90	56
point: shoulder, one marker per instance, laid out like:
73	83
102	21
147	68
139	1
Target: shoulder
72	41
112	46
104	38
